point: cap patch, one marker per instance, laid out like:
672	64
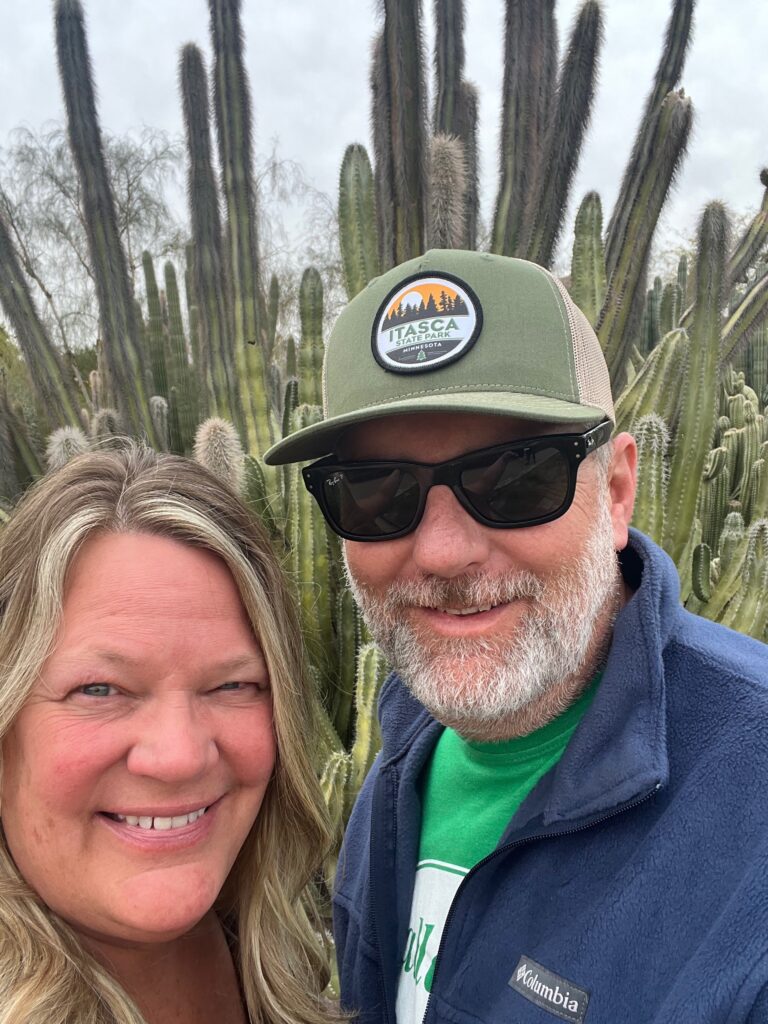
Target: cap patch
426	322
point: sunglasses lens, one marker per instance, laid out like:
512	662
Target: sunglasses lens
372	502
516	487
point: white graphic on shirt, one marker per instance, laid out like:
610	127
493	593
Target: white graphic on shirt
435	886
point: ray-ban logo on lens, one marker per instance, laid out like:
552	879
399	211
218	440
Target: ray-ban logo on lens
427	321
549	991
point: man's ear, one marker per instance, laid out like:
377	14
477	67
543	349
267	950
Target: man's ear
622	484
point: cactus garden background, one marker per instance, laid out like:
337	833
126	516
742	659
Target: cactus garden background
196	358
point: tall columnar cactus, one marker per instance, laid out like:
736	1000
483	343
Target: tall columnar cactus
358	232
713	496
311	350
181	375
205	258
310	563
370	674
233	115
455	109
588	282
633	189
54	387
748	610
565	131
119	326
666	146
155	328
447	188
699	406
649	391
652	443
400	136
530	68
748	317
754	239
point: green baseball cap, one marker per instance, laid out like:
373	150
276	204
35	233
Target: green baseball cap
456	331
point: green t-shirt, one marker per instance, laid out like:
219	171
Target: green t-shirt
469	793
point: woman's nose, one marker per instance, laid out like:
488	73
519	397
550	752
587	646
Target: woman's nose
174	742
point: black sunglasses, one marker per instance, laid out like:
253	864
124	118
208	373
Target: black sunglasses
521	483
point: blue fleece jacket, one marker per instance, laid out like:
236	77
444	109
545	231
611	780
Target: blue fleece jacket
632	883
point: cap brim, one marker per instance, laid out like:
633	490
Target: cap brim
321	438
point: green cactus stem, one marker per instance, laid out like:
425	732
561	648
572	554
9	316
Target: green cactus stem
652	472
700	578
530	68
631	198
180	373
310	565
358	230
155	330
753	241
649	391
713	496
669	312
746	318
119	325
215	354
53	386
748	610
347	620
588	281
311	349
233	116
401	95
666	147
699	394
371	670
565	132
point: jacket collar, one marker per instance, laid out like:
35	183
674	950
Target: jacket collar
618	753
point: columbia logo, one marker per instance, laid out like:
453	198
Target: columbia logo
549	991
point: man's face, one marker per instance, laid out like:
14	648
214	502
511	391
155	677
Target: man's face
485	623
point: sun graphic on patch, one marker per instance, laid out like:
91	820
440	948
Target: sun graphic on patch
427	321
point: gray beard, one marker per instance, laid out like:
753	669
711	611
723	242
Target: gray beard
472	683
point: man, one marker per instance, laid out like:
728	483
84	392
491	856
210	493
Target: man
568	819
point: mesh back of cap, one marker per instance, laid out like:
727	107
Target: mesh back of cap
592	375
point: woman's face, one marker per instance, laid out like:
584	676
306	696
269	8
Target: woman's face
136	769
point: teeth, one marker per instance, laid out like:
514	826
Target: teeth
160	824
467	611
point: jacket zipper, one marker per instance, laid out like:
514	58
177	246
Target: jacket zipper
512	846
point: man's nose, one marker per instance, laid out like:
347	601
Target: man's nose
448	541
174	743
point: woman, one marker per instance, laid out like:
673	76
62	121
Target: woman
161	819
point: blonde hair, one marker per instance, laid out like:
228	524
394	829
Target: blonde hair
46	976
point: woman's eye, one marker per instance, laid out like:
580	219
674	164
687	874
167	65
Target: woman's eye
237	686
97	690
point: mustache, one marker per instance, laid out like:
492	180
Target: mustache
461	591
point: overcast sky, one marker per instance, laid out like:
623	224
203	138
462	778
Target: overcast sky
308	65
